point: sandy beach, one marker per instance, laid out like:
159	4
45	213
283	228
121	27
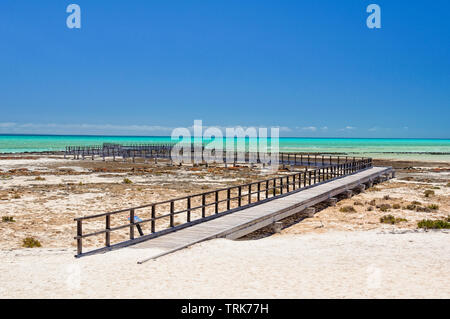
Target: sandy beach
336	254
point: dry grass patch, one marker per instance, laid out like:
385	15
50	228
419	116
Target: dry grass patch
434	224
347	209
428	193
8	219
30	242
389	219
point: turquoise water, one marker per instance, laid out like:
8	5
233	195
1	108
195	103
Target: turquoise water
423	149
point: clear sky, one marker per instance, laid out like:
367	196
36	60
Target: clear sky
142	67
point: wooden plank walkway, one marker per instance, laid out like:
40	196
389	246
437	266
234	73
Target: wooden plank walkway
243	222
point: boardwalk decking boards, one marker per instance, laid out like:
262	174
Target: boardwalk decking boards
243	222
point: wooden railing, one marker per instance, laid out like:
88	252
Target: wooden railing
160	217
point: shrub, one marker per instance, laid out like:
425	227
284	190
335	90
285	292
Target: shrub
8	219
347	209
30	242
370	208
423	209
385	207
433	224
433	206
386	197
396	206
372	202
448	184
39	178
16	196
428	193
416	203
389	219
358	203
127	181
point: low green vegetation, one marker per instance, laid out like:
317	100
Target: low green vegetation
396	206
385	207
389	219
434	224
423	209
428	193
347	209
127	181
8	219
30	242
433	206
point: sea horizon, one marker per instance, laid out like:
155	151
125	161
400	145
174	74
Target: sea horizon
426	149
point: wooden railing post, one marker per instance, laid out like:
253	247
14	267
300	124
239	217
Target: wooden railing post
132	224
239	195
228	198
249	193
171	214
259	191
217	202
153	218
79	234
108	228
203	205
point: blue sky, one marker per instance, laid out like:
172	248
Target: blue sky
142	67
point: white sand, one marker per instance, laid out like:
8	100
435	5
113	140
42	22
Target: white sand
330	265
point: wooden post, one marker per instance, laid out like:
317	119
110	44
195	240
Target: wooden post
203	206
108	228
259	190
217	202
239	196
131	224
79	240
171	214
228	198
249	193
153	218
188	209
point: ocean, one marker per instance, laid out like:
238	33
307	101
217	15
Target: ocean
408	149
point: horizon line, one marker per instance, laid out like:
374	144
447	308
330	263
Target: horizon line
168	136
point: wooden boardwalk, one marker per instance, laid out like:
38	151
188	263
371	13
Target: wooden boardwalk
243	222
